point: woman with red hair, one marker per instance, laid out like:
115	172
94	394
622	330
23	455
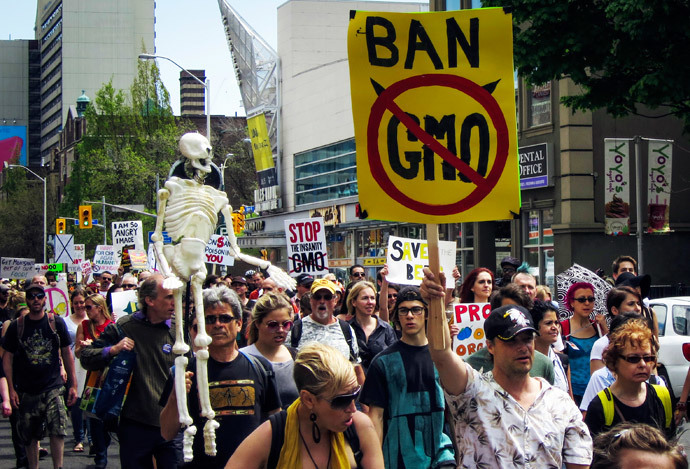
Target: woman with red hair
477	286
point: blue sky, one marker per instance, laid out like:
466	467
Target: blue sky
188	31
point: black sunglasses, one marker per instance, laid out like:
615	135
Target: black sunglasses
129	287
392	295
222	318
584	299
358	274
637	358
107	279
31	296
325	296
343	401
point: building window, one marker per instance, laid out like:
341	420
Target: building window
339	245
539	105
538	248
326	173
462	234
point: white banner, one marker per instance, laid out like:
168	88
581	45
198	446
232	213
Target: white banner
79	255
407	257
659	185
617	186
105	259
306	246
64	249
16	267
470	318
218	251
124	303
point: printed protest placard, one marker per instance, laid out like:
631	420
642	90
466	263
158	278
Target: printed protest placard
86	269
617	186
124	303
105	259
659	185
407	257
58	300
433	104
306	246
218	251
127	233
470	318
17	267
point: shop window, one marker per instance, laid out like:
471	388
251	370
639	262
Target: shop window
538	249
339	245
539	105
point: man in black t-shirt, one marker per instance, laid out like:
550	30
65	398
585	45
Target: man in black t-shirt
34	347
242	391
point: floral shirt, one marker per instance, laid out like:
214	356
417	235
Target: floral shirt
493	430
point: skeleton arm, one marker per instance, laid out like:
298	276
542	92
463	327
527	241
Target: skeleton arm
282	279
157	238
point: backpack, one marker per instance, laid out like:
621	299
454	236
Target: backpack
661	392
344	326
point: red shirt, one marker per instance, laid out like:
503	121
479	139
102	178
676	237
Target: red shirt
97	329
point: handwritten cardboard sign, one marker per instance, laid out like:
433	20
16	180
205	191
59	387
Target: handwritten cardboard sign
105	259
470	317
218	251
407	257
16	267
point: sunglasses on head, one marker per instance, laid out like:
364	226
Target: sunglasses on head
31	296
273	326
222	318
343	401
585	299
322	296
637	358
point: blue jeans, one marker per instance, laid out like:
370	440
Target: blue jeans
77	416
101	441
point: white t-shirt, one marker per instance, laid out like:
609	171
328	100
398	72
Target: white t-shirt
598	348
331	334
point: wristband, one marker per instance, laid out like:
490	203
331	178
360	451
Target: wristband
681	406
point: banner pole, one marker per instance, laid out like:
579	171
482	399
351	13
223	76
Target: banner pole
437	309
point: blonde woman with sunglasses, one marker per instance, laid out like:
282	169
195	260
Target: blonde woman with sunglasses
269	328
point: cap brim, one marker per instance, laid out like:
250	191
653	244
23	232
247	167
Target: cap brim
516	332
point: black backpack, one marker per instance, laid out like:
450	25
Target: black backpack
344	326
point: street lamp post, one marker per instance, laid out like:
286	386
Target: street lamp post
45	206
206	83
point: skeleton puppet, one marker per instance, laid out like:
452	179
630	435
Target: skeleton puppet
189	206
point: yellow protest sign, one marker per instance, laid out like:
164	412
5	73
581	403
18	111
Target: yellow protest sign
433	103
261	147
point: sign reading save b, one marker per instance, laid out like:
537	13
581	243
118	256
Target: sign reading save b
433	103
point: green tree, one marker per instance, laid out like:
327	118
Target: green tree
130	144
625	54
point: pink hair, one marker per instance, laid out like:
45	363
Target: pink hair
570	296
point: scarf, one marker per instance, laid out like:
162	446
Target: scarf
290	454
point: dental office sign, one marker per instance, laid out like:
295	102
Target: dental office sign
534	172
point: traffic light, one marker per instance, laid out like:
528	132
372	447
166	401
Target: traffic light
237	222
60	226
85	220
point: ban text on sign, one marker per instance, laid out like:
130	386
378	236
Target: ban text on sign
434	111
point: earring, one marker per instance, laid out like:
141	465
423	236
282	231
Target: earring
315	430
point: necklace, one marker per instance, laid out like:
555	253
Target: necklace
309	452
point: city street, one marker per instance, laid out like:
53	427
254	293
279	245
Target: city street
71	460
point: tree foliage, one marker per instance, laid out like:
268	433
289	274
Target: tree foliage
624	53
130	143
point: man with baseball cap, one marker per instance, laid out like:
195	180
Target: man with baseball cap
35	345
304	282
321	326
509	265
506	417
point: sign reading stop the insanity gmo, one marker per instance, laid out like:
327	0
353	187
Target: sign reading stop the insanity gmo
433	103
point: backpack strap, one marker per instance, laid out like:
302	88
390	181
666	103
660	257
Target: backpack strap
259	367
607	404
665	398
278	422
20	328
347	332
296	333
353	440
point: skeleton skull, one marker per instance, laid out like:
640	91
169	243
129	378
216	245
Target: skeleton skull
197	151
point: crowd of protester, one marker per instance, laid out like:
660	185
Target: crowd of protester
348	373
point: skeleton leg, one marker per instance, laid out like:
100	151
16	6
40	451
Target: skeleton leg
180	348
202	341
